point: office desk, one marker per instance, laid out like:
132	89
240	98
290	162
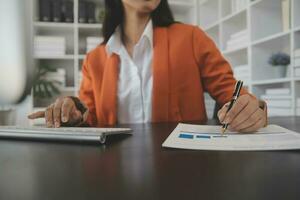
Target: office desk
137	167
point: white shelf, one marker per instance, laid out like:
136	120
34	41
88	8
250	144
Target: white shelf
271	37
272	81
53	25
235	14
89	26
266	19
213	25
65	57
263	20
232	26
254	3
208	13
231	51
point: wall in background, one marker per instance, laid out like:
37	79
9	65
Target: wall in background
247	32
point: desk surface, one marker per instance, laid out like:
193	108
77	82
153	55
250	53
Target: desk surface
137	167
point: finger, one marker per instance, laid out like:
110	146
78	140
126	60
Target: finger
49	116
66	110
36	115
75	116
245	114
257	115
237	108
222	112
57	112
255	127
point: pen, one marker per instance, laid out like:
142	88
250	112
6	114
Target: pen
236	94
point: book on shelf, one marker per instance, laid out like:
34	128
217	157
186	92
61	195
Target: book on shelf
91	12
279	111
239	39
50	39
275	97
48	54
45	10
82	15
93	42
236	41
278	91
49	46
235	45
44	52
87	12
57	10
68	11
239	34
286	14
279	103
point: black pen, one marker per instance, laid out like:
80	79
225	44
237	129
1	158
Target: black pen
236	94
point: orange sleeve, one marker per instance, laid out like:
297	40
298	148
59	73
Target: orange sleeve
216	74
86	94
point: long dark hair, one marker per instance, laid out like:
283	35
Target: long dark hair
114	16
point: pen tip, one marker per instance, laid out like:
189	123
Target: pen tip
223	131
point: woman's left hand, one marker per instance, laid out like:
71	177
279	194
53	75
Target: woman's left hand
245	115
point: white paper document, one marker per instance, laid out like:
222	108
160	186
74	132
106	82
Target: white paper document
199	137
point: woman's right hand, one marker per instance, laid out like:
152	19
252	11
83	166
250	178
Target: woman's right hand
61	113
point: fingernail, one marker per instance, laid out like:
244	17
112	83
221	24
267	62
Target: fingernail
64	119
49	125
56	124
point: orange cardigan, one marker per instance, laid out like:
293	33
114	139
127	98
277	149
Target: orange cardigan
186	63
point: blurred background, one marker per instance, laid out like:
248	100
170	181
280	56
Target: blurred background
261	40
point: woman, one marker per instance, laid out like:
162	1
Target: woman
152	69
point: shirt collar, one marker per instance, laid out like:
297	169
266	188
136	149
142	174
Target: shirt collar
148	33
114	44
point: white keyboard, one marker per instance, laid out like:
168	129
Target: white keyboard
64	134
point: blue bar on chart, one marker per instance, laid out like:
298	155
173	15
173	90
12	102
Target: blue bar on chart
203	137
186	136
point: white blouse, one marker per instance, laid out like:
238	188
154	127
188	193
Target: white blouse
135	77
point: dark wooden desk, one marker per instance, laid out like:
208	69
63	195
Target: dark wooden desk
137	167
